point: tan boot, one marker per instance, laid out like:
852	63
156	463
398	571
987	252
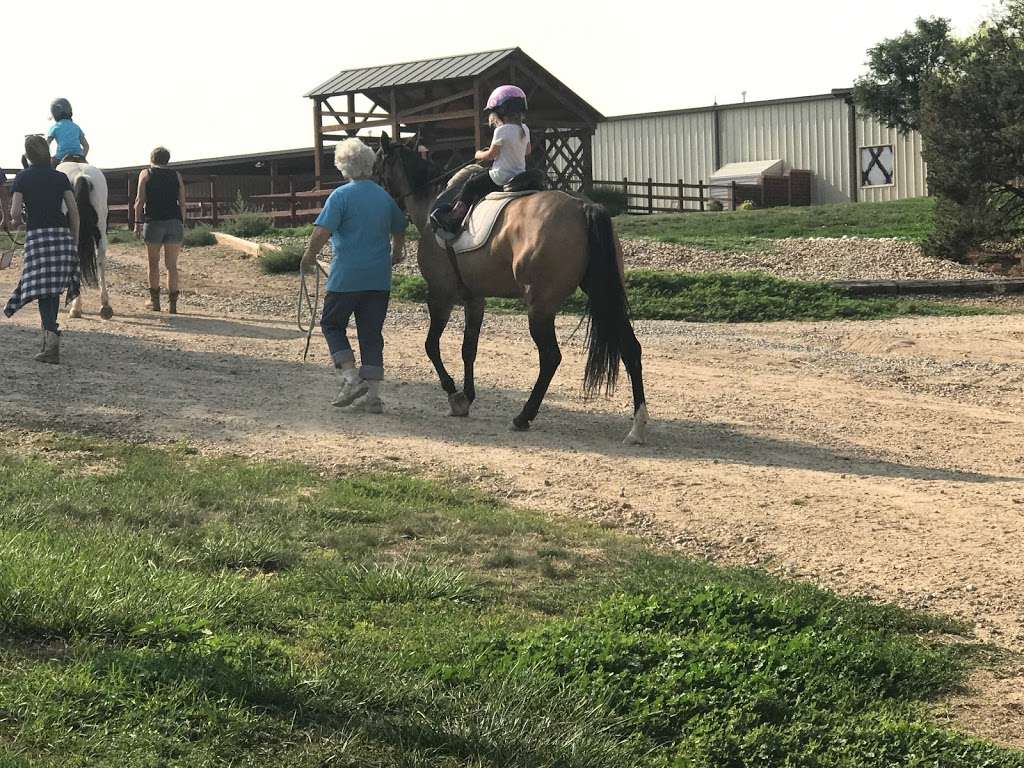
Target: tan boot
51	349
154	300
172	302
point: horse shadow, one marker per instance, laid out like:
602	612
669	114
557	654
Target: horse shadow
229	396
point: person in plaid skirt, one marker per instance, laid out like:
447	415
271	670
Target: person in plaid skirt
51	256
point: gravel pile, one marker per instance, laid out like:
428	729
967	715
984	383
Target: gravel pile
822	258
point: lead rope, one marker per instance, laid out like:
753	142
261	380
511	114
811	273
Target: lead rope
311	302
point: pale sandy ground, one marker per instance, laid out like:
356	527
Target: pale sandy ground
875	458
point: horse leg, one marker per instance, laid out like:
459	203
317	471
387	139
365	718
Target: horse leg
461	401
631	354
543	332
106	312
440	312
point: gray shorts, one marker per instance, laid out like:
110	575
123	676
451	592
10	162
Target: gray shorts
165	232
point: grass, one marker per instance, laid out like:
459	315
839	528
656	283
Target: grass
731	298
161	608
198	236
738	231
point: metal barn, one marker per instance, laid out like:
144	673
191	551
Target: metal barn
852	157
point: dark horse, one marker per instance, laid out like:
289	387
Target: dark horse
542	248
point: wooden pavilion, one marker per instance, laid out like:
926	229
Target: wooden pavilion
442	101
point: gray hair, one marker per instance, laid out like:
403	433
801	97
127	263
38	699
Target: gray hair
354	159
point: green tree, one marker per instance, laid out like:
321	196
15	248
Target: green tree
966	96
899	68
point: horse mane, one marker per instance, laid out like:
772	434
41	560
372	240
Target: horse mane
460	178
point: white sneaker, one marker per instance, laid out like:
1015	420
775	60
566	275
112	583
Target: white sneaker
350	392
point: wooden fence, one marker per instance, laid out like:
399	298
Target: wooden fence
215	205
652	196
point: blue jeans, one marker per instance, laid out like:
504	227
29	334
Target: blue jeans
49	308
370	309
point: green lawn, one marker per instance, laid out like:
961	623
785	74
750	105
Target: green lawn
163	609
732	298
733	231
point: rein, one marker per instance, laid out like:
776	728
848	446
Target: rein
311	302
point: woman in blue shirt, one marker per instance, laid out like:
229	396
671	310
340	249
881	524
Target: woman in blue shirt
367	233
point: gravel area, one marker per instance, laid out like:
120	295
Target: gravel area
823	258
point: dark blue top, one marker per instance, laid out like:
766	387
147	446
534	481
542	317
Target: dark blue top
43	190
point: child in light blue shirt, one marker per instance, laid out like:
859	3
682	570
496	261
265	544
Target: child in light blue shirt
69	137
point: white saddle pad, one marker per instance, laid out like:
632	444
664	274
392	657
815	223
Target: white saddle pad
481	221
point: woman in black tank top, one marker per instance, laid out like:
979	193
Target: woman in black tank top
161	205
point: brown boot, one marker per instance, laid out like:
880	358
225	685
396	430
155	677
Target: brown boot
172	302
154	300
51	349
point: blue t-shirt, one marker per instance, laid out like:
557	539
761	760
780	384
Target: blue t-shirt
68	136
361	217
43	191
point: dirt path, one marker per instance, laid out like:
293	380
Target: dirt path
877	458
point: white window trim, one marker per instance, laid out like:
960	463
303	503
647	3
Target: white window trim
860	170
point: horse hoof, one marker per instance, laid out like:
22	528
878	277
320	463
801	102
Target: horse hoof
106	312
459	404
520	424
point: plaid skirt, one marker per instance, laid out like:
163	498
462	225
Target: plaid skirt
50	267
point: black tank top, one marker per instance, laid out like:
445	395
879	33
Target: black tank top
162	201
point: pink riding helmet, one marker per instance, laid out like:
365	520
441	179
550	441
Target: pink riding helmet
504	93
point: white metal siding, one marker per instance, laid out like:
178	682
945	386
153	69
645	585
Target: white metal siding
663	148
910	174
810	135
807	134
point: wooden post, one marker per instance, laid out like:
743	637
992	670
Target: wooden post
351	102
733	194
213	200
273	175
682	207
764	193
789	190
131	204
625	190
396	125
700	193
587	138
318	142
650	195
291	199
478	132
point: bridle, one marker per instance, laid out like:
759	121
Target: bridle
430	183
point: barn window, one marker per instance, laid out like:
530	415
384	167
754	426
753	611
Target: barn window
876	166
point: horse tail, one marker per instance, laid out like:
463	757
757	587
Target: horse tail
89	234
607	313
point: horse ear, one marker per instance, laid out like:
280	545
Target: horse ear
385	141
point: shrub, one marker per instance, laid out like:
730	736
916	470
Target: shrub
248	225
199	236
612	198
287	259
716	206
746	205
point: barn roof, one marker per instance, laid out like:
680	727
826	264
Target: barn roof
411	72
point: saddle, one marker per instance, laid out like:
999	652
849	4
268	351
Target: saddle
478	225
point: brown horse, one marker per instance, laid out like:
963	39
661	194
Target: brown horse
543	247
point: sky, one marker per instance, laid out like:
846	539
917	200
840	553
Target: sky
222	77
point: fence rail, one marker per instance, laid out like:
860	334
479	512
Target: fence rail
648	196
